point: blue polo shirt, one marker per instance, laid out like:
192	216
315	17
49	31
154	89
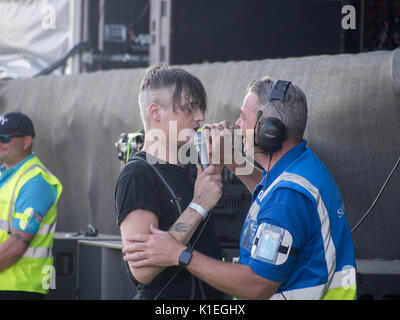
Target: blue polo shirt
293	210
35	193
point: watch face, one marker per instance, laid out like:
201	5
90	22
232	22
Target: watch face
185	257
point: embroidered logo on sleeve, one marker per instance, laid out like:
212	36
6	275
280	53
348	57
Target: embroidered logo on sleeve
23	221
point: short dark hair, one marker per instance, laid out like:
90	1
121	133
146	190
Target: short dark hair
163	76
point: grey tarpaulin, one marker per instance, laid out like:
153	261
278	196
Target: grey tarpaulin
34	35
354	103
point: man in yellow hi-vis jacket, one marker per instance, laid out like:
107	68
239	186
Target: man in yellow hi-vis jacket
28	210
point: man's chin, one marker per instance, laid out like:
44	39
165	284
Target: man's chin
248	150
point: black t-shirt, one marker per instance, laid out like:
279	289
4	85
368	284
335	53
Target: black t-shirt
139	187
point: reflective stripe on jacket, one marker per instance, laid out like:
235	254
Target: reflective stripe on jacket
28	273
341	284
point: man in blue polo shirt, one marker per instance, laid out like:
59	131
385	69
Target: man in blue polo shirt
295	241
28	211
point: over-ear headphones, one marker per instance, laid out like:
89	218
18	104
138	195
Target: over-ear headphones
272	132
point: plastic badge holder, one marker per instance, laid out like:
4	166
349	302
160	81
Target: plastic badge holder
267	243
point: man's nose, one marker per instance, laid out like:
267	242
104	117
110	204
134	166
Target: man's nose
199	115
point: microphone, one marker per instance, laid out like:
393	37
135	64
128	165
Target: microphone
201	148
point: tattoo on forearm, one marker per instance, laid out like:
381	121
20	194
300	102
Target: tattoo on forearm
19	238
181	227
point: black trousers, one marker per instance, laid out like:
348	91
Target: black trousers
20	295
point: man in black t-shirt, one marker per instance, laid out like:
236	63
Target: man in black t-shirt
171	101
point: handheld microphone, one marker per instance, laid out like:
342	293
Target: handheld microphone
201	148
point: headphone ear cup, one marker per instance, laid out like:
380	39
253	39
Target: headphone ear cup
271	134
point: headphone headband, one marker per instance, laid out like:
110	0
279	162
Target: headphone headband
278	90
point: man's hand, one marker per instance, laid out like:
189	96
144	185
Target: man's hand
208	187
159	248
223	148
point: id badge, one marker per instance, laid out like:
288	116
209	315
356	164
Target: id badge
267	243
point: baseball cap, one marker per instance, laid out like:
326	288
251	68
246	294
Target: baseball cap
13	123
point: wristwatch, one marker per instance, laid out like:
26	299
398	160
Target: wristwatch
185	257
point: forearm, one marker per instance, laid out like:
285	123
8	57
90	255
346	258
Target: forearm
234	279
10	253
187	223
7	261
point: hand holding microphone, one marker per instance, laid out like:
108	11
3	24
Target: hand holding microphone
207	189
220	140
208	186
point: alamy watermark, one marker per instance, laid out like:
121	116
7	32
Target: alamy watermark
349	20
349	277
48	13
49	277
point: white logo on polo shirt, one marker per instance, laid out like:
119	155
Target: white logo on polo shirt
3	120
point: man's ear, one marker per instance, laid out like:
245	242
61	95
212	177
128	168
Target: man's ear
155	112
28	141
